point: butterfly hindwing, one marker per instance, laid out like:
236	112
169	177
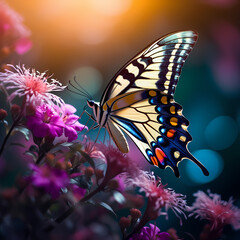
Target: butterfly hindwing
161	135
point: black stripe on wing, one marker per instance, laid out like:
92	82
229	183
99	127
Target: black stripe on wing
160	64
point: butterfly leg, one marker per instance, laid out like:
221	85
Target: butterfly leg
90	116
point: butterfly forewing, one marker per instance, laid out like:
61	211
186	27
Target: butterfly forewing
156	67
140	99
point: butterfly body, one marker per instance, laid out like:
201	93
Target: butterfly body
139	102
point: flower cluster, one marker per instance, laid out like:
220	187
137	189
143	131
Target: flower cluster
52	180
14	36
30	85
159	197
218	212
151	232
66	188
48	121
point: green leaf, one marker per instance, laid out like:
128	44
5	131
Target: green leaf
22	130
88	158
32	154
18	144
5	123
119	197
105	205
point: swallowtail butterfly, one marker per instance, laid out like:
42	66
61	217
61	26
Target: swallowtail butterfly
139	101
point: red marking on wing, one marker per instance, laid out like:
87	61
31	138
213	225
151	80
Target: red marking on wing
160	155
170	133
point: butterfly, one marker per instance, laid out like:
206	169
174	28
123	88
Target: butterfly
138	101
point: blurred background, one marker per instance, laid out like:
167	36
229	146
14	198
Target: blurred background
92	39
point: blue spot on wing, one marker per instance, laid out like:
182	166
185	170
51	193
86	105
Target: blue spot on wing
131	128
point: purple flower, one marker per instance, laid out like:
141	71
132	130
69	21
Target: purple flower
77	192
49	178
150	233
71	122
45	122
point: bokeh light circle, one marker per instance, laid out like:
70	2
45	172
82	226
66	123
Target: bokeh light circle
87	77
221	132
211	160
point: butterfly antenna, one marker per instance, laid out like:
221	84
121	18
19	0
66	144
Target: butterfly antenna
82	89
78	91
70	90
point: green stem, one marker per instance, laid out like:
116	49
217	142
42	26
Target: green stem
71	209
144	220
7	136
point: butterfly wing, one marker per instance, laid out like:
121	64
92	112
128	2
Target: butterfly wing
140	97
158	128
157	67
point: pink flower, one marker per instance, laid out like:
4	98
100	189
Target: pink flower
71	122
151	232
45	122
158	196
30	84
13	34
22	45
117	162
49	178
94	152
218	212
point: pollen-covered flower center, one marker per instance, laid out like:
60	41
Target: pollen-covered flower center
65	118
36	85
46	117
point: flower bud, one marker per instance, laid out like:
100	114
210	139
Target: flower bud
135	213
15	111
60	165
173	234
30	110
50	159
99	174
68	165
113	184
124	222
3	114
89	171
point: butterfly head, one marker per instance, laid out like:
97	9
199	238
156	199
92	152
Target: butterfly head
90	103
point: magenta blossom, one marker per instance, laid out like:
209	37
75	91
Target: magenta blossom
72	126
218	212
45	122
49	178
150	233
78	192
